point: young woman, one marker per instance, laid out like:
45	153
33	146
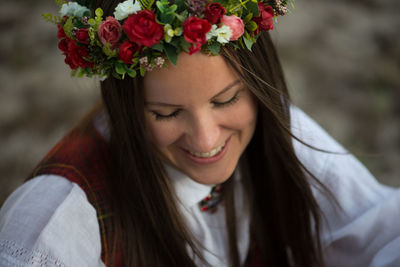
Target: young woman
202	163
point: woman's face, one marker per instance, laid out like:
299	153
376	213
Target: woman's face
199	116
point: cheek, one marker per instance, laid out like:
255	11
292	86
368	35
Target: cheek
244	116
162	134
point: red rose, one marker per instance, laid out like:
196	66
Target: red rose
63	45
264	20
75	57
109	31
143	28
82	36
127	50
195	29
61	34
194	48
214	12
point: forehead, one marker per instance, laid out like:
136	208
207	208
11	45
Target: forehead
194	76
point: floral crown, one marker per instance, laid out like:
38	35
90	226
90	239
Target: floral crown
142	34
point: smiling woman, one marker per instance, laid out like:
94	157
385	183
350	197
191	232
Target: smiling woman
201	160
200	116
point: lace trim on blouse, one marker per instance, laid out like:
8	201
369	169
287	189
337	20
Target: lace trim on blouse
15	254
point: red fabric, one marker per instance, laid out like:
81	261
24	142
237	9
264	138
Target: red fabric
83	157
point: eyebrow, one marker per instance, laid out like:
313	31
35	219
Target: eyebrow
226	88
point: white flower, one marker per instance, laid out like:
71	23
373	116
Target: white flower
124	9
212	32
73	9
223	34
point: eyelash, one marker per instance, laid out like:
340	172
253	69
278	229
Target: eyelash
174	114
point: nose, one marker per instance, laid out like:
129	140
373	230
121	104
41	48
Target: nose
203	133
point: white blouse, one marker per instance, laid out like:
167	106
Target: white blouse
49	222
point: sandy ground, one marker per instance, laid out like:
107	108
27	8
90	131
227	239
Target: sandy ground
341	60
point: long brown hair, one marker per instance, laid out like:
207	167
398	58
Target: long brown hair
285	218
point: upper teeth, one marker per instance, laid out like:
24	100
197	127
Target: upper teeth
213	152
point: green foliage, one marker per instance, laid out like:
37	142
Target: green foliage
184	45
146	4
108	51
59	3
214	48
167	12
50	18
69	24
99	12
181	6
248	41
142	71
248	17
251	26
252	7
171	53
158	47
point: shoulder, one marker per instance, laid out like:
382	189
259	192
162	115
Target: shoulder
48	220
350	182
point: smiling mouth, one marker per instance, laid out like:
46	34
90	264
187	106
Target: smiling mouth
209	154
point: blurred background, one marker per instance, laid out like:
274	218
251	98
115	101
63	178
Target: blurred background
341	59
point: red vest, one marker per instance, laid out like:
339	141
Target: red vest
83	157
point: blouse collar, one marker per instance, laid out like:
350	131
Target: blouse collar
188	191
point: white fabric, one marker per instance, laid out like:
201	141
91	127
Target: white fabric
49	222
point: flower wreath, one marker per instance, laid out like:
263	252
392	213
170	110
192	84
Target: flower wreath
142	34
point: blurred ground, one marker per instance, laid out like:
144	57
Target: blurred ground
341	58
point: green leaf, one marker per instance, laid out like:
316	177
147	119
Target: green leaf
167	18
119	68
160	7
182	16
248	42
235	45
248	18
68	26
99	12
214	48
175	42
251	26
185	45
171	53
91	22
253	8
158	47
181	5
172	9
142	71
132	73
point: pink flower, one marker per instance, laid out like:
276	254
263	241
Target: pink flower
109	31
236	24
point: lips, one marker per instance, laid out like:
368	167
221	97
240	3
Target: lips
212	153
209	157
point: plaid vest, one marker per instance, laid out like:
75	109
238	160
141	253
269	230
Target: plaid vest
83	157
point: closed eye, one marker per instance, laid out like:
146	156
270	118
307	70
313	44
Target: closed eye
159	116
231	101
